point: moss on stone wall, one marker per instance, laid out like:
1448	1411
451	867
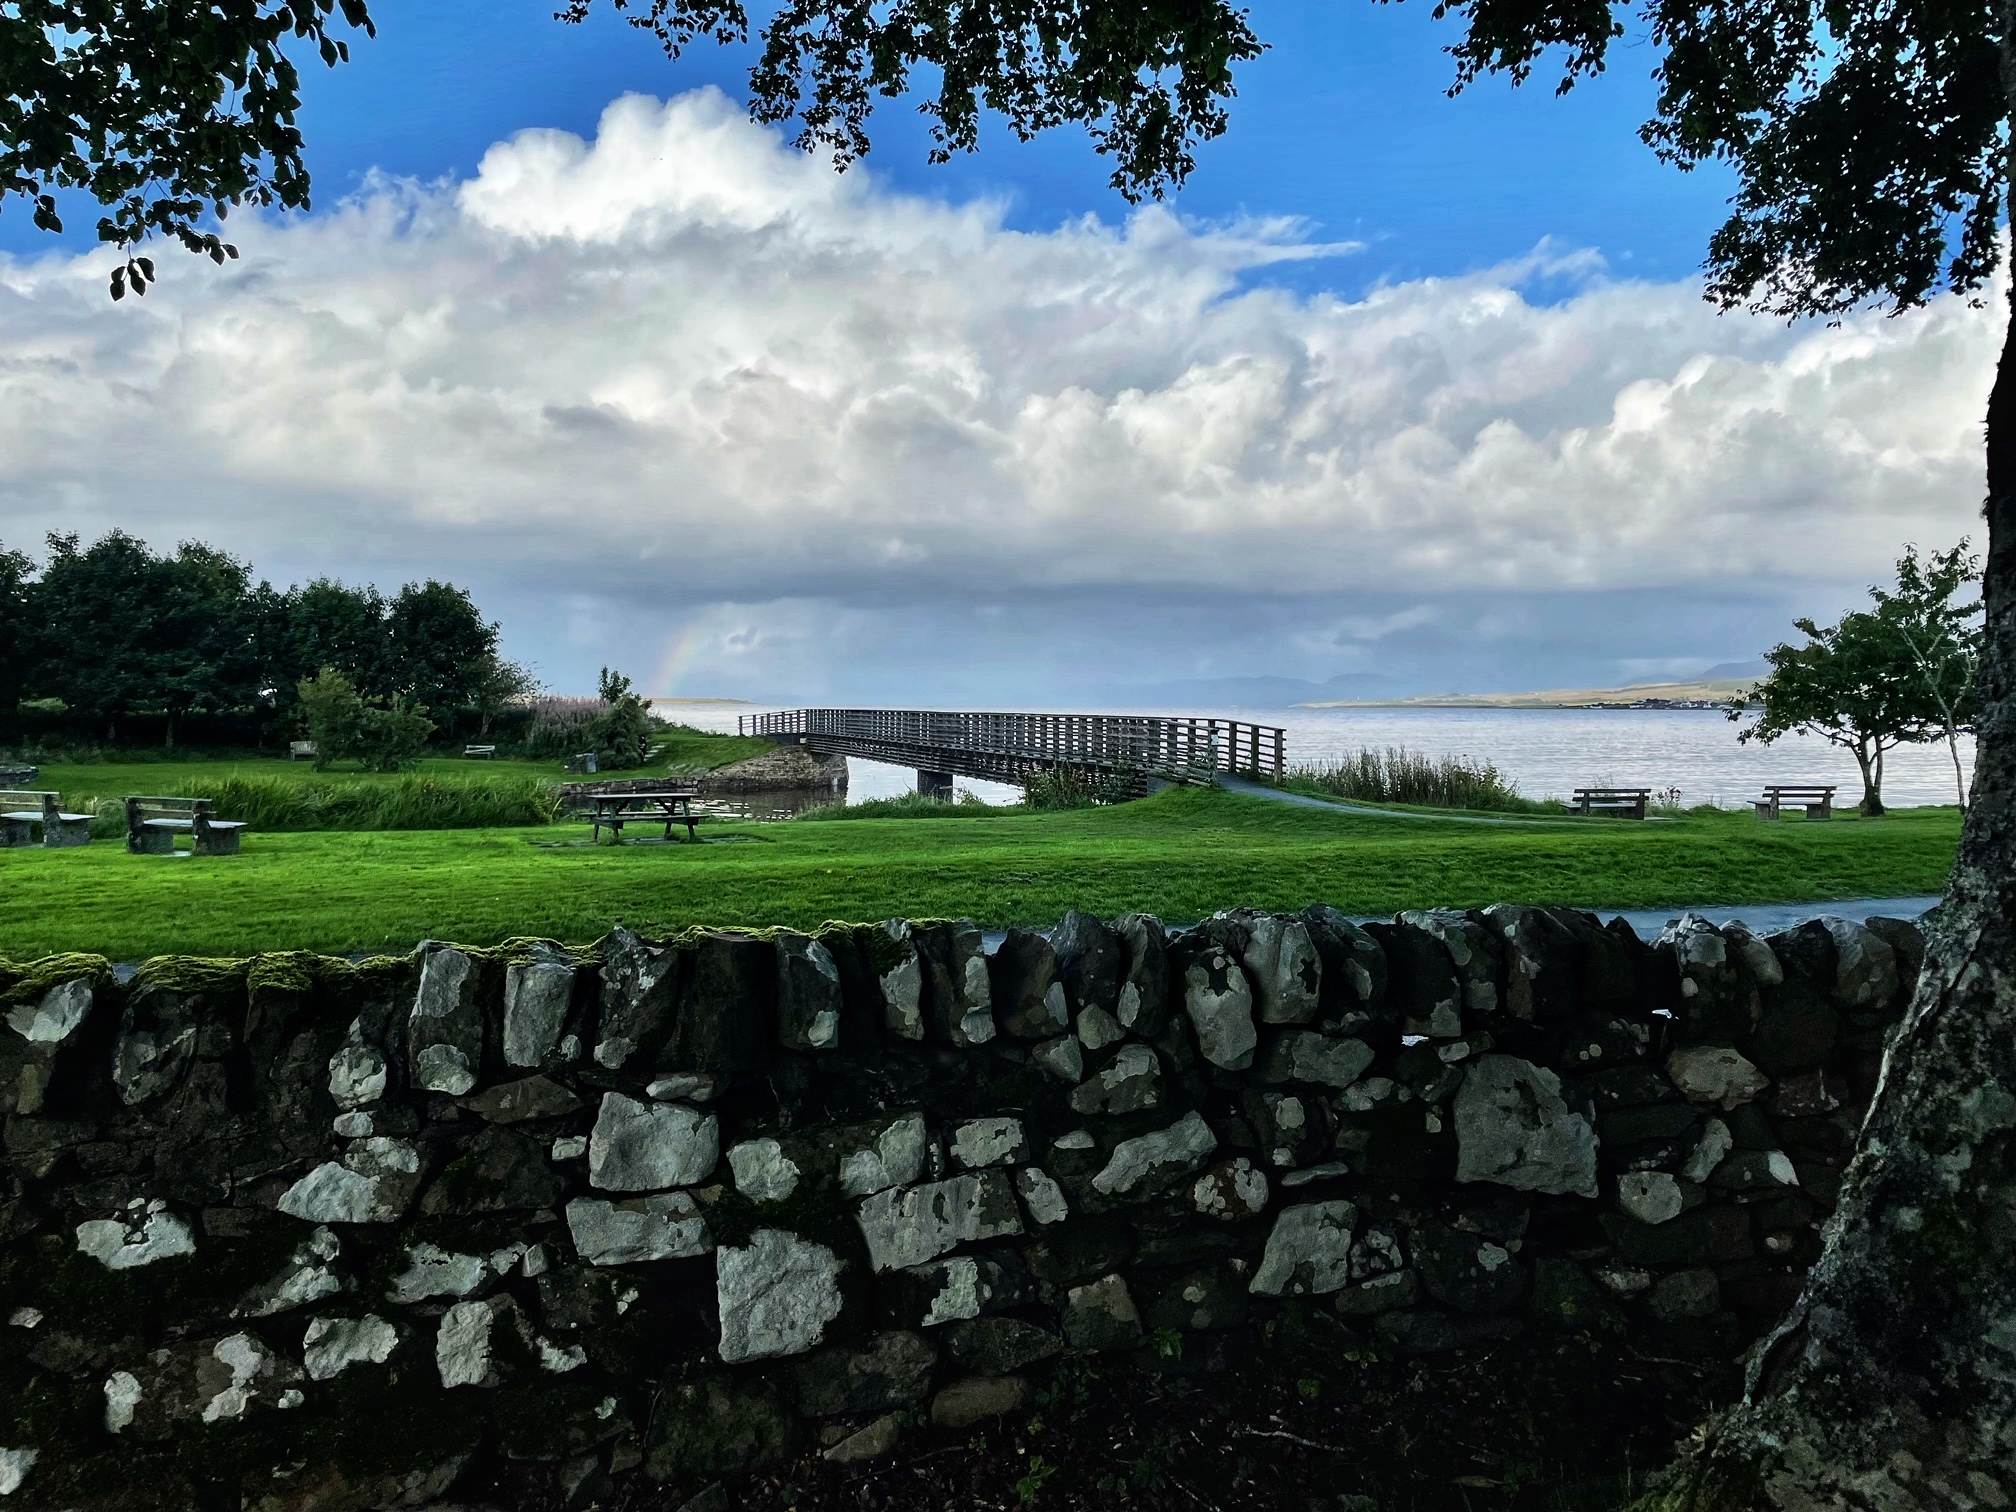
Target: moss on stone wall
25	982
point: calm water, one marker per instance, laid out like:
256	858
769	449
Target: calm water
1546	752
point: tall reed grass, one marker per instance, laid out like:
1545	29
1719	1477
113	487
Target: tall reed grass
278	805
1398	775
559	727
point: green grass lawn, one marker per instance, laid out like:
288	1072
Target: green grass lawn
1182	854
687	749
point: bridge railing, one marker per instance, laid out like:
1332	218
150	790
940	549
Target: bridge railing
1175	747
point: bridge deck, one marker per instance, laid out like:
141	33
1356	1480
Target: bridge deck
1008	747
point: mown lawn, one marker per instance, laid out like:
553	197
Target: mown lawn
1182	854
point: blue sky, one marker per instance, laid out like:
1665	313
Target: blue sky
1345	121
670	396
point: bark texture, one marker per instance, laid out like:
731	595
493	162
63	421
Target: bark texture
1891	1386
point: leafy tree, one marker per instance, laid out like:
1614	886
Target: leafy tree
392	734
124	631
201	653
1940	639
91	610
385	735
16	581
496	685
621	733
332	715
324	623
162	111
1852	684
1148	80
436	641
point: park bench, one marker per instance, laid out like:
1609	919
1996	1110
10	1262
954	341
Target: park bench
1624	803
153	823
21	810
1817	801
296	749
669	806
480	750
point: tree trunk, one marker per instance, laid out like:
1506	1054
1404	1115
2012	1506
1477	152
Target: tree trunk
1959	776
1871	806
1891	1386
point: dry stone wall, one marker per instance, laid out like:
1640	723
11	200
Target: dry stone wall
295	1232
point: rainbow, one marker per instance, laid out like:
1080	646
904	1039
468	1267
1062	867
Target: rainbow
681	651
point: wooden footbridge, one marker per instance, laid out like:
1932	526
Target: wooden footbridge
1137	749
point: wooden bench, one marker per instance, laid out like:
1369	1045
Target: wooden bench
1622	803
296	749
670	806
1816	800
153	823
21	810
490	751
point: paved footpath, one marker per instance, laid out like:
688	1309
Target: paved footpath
1245	787
1762	917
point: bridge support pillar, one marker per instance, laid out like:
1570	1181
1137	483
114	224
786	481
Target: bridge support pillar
935	784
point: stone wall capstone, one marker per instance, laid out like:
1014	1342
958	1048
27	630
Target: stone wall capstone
298	1232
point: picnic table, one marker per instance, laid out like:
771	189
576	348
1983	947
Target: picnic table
670	806
22	809
153	823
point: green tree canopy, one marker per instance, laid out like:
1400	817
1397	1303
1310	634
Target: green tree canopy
165	112
330	624
495	685
436	640
1851	685
621	732
1940	638
16	573
113	630
119	629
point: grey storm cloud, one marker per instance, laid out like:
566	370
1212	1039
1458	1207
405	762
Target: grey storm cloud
684	375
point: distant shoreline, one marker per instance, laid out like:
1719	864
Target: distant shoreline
1676	695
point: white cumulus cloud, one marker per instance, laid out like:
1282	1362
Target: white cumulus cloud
685	362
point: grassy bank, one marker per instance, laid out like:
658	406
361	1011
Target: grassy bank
279	797
683	748
291	797
1182	854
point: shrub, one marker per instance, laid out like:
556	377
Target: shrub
1397	775
560	727
384	736
620	735
1066	787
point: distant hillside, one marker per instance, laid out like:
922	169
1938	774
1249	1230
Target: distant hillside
1265	692
1719	690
